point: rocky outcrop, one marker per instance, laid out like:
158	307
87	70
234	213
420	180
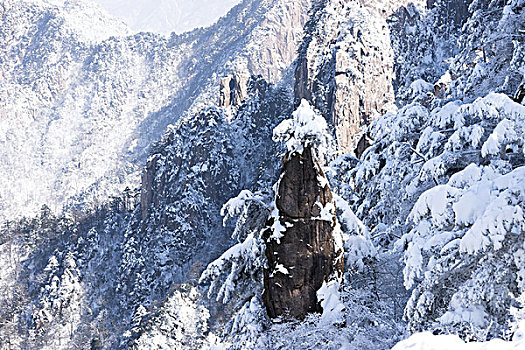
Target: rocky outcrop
354	84
191	173
346	65
305	256
233	90
519	96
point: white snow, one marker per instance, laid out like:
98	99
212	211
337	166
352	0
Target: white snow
247	254
305	128
166	16
356	242
420	86
504	133
428	341
495	214
441	117
476	134
330	299
279	268
471	204
327	212
86	19
235	206
434	204
277	228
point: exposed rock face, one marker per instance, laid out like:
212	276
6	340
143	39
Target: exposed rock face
273	45
191	173
306	256
364	142
354	84
519	96
233	90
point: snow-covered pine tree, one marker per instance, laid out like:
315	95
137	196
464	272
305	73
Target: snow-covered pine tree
463	246
464	254
492	49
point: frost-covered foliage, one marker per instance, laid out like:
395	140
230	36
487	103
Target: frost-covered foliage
462	48
250	211
182	323
238	273
366	323
462	237
467	233
62	292
423	40
60	301
443	176
472	231
358	246
329	296
242	260
385	171
492	49
306	128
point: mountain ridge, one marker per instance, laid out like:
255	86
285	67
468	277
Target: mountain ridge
429	211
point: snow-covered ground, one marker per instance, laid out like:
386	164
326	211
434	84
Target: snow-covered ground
428	341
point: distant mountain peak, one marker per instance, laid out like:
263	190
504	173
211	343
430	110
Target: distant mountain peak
167	16
86	19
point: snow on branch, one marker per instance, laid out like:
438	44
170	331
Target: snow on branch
237	205
306	128
240	260
356	241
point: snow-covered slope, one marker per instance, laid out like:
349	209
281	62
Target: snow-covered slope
78	115
82	18
167	16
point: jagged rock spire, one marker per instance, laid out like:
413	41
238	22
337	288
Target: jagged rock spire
301	237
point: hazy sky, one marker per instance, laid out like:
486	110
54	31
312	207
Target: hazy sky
165	16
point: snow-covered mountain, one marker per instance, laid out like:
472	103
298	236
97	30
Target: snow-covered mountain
80	113
167	16
81	18
381	135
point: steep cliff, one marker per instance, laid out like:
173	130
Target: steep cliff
346	65
306	255
202	161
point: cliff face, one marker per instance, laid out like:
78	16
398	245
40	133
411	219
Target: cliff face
346	65
305	256
201	162
233	90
